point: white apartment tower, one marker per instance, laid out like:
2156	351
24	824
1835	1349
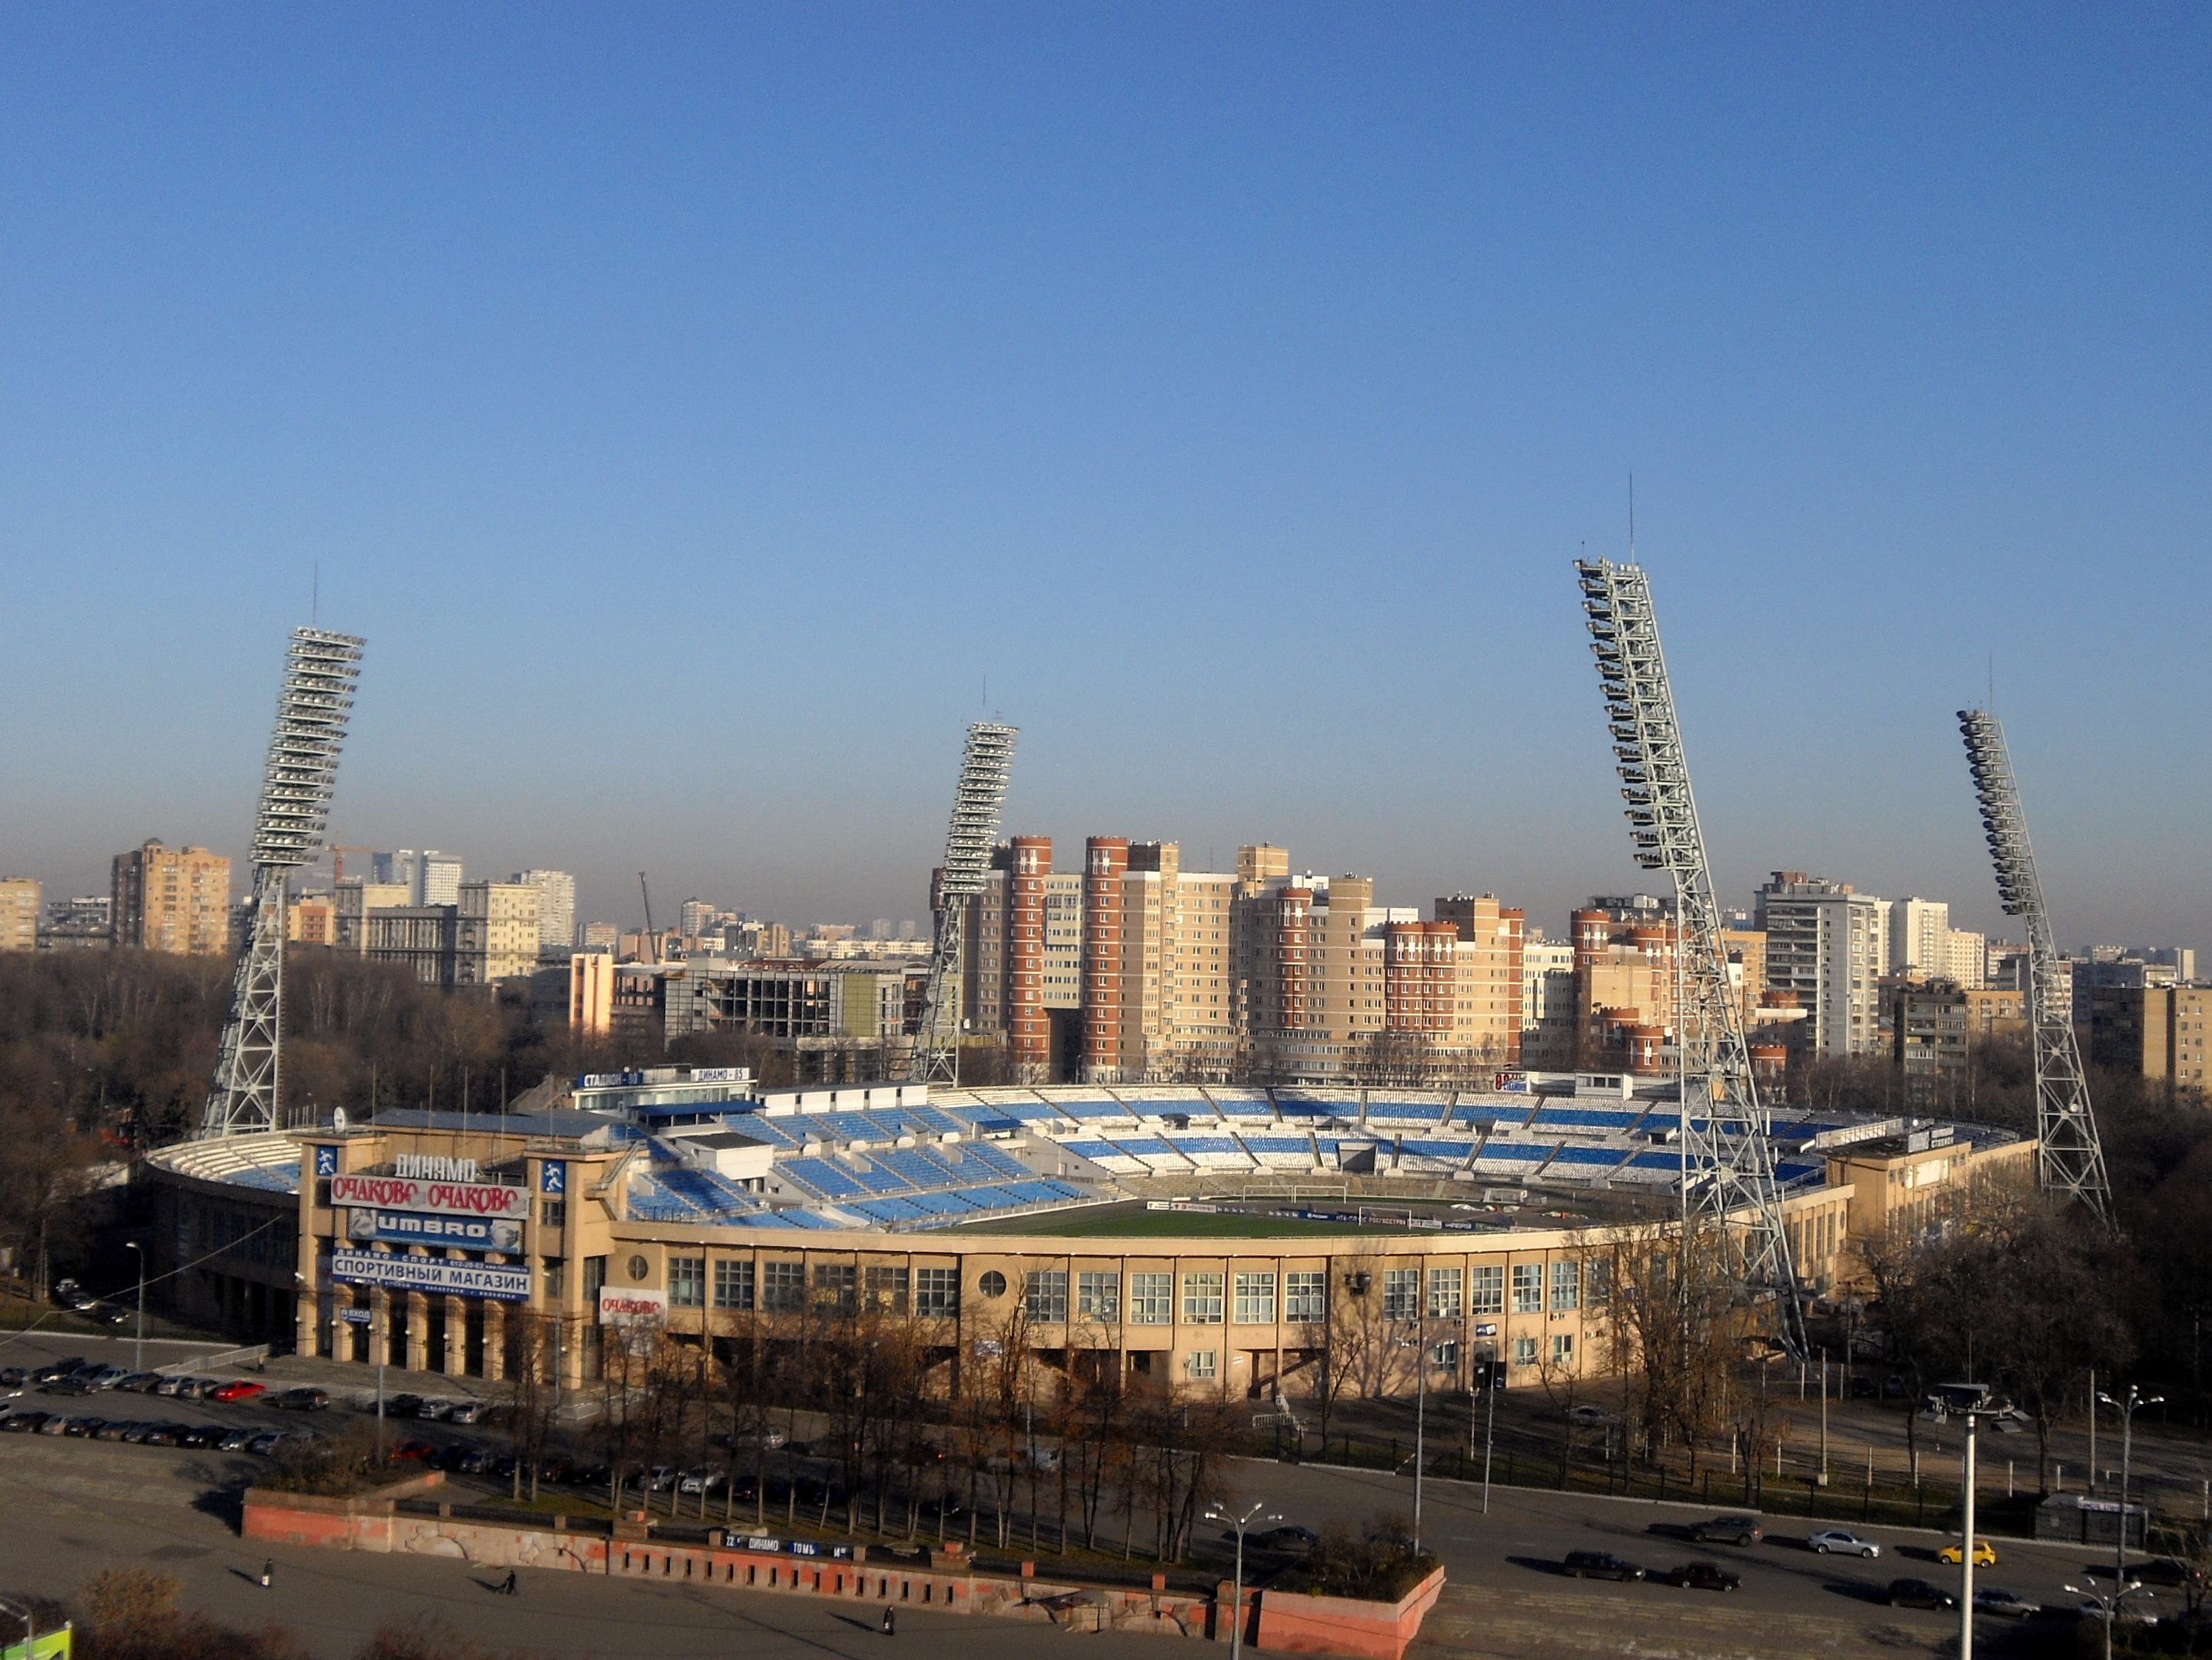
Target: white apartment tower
1830	946
557	909
1918	945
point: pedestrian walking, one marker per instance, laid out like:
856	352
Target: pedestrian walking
509	1588
267	1568
890	1622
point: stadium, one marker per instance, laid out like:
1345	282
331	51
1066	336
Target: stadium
1202	1237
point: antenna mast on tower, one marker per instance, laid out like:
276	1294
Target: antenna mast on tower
1728	1152
2069	1158
320	672
985	766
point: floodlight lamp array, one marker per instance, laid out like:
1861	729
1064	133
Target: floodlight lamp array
320	672
2004	825
986	766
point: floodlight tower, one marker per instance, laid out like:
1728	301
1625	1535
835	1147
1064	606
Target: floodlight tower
1728	1152
319	671
985	766
2069	1160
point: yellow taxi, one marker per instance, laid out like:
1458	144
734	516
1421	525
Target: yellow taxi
1986	1555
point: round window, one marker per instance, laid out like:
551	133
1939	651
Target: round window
639	1267
993	1284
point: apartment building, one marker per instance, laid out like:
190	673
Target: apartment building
496	934
171	899
1965	958
351	902
2154	1031
85	922
1547	1006
1931	1027
19	913
1829	946
557	909
312	920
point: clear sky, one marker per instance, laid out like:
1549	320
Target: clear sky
694	406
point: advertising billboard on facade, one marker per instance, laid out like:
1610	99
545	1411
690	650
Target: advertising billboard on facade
633	1308
400	1227
438	1274
442	1198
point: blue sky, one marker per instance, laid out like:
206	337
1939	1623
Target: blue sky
694	405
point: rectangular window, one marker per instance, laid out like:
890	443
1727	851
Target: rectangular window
887	1290
553	1213
1402	1293
1098	1297
1566	1287
556	1279
1445	1356
1151	1299
1306	1298
836	1286
1044	1296
937	1292
1527	1288
1255	1299
1563	1350
1597	1282
783	1287
1201	1299
595	1280
1203	1364
687	1282
1488	1292
1524	1351
1446	1300
733	1283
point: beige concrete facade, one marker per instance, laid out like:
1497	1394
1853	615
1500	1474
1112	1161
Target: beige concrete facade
19	897
496	936
171	899
2155	1032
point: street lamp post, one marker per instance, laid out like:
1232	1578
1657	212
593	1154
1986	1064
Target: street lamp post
138	1349
2127	1410
1237	1600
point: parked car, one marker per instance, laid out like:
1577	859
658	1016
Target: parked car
13	1377
21	1423
702	1481
435	1408
403	1406
1598	1565
1728	1530
1843	1541
1985	1554
113	1429
238	1440
238	1390
198	1389
452	1457
141	1383
1291	1538
2003	1604
71	1385
171	1385
474	1462
135	1433
1861	1387
165	1435
266	1443
54	1423
660	1478
469	1412
1590	1415
1705	1576
305	1398
202	1435
1919	1594
415	1451
83	1427
54	1369
2167	1571
108	1377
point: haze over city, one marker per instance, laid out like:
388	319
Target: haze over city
696	413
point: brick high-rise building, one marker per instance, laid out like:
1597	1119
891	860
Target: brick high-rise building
19	913
173	900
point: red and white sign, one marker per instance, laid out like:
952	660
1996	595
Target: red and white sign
445	1198
633	1308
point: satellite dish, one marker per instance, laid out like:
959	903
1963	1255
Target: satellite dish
337	1118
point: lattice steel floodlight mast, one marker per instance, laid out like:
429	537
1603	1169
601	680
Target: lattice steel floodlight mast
1728	1152
2071	1159
319	671
985	767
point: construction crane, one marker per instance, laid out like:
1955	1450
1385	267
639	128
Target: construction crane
338	852
2069	1160
986	764
652	940
1727	1148
312	711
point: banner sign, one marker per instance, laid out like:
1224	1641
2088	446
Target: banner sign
446	1198
435	1167
401	1227
437	1274
721	1074
610	1080
633	1308
761	1543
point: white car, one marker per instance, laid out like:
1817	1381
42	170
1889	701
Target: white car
1843	1541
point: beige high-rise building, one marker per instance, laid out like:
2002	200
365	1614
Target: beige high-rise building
352	902
173	900
19	913
1964	955
557	909
312	920
497	933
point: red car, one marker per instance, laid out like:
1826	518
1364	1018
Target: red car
414	1449
240	1391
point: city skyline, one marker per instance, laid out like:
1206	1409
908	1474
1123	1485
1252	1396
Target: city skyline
1230	401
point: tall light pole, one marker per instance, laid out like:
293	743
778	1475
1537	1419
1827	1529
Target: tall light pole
1966	1546
138	1350
2127	1410
1236	1601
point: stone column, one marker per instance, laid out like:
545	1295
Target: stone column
457	1337
417	1316
494	1340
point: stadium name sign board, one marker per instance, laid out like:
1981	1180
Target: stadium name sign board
436	1167
444	1198
431	1273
